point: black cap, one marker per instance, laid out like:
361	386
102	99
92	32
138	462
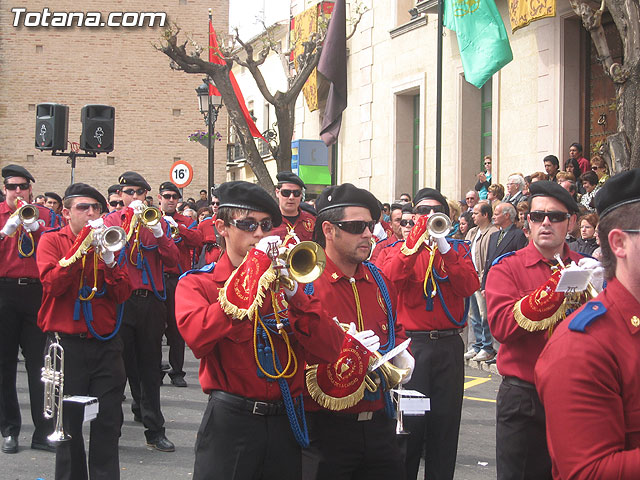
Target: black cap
53	195
84	190
17	171
434	194
407	208
621	189
113	189
308	208
545	188
164	186
289	177
240	194
133	179
347	195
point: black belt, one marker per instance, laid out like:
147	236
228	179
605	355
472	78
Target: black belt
81	336
20	281
143	292
171	275
253	406
433	334
356	417
518	383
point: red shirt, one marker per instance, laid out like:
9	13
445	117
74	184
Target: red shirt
60	286
212	250
584	164
334	290
190	238
390	240
303	226
225	345
589	385
13	265
156	251
408	273
513	278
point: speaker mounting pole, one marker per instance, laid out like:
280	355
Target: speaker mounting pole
72	160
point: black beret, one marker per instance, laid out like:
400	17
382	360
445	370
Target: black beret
170	186
619	190
347	195
545	188
397	206
406	208
17	171
434	194
113	189
84	190
289	177
53	195
240	194
308	208
133	179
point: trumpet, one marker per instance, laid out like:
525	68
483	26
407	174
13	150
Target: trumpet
111	239
392	376
439	225
150	216
28	213
53	378
305	261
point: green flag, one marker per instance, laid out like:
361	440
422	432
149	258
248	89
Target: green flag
482	38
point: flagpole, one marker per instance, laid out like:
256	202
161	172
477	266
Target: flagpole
439	97
210	121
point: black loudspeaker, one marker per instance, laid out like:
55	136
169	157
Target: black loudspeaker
52	121
97	128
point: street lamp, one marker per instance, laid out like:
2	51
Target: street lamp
209	106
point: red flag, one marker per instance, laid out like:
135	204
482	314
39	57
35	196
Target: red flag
216	57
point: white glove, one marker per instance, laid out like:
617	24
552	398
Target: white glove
108	258
156	230
597	271
31	226
379	232
284	273
137	206
171	221
265	243
11	226
404	360
368	339
97	223
443	245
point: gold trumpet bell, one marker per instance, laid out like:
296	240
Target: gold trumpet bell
305	261
150	216
392	376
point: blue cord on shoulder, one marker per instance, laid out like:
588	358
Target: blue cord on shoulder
208	268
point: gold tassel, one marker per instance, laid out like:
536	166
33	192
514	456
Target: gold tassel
410	251
82	249
536	326
327	401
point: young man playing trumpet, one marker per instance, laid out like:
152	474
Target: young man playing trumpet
253	339
433	276
82	287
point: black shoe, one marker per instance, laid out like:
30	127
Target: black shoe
162	444
491	362
10	444
46	445
178	382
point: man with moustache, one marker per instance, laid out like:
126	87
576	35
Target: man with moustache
396	217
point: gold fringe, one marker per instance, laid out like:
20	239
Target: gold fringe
267	278
80	251
327	401
535	326
410	251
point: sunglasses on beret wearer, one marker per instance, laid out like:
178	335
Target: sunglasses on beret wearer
115	203
137	191
15	186
355	226
285	192
83	207
428	209
250	225
405	222
538	216
170	196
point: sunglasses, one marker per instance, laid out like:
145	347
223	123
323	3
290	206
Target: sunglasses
427	209
138	191
170	196
247	225
287	193
355	226
15	186
115	203
217	204
538	216
84	207
404	223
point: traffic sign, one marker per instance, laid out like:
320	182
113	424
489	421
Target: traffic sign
181	173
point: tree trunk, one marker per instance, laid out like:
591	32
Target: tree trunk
285	113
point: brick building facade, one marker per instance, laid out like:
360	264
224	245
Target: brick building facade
156	107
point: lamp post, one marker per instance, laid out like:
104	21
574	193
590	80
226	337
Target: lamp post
209	106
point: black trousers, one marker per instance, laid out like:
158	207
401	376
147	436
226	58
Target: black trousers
345	449
521	441
96	369
235	444
174	339
438	374
141	331
19	305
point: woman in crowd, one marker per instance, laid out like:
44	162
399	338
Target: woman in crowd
522	208
601	168
586	242
203	213
465	224
573	167
454	210
495	193
589	181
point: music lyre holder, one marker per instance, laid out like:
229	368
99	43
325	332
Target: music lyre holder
72	159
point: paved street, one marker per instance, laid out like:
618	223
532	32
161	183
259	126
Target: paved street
183	409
